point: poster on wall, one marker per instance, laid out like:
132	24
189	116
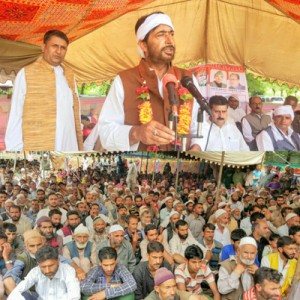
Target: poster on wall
224	80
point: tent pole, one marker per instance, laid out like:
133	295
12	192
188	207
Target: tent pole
25	165
177	171
154	165
15	161
220	174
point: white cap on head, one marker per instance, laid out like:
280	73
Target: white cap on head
248	240
222	204
220	212
188	202
284	110
81	229
176	202
115	228
174	212
290	215
150	23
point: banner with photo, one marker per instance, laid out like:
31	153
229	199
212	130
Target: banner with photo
224	80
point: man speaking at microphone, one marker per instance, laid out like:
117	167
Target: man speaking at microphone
122	125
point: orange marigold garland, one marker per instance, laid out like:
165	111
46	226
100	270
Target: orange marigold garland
185	111
145	108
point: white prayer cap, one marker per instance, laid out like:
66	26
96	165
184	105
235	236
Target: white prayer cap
176	202
150	23
9	201
174	212
222	204
290	215
220	212
81	229
248	240
188	202
284	110
235	96
115	228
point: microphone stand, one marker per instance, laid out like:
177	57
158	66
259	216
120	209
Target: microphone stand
173	120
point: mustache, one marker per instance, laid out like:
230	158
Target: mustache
169	47
220	119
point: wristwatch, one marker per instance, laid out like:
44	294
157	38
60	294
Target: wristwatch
8	262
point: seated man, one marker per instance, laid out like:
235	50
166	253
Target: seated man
165	288
151	235
211	245
283	261
181	241
15	240
223	133
81	250
279	135
5	254
123	247
51	278
236	273
266	285
108	279
144	272
190	275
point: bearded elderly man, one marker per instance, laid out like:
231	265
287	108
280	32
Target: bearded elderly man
45	109
279	135
81	250
120	127
236	273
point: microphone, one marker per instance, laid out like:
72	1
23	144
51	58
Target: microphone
187	82
170	83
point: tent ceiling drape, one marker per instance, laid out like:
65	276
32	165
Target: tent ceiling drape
263	35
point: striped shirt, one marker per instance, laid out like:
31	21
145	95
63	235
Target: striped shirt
182	275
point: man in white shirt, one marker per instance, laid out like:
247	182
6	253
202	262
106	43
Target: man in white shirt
291	219
255	122
223	134
234	111
45	112
222	234
283	261
51	279
279	135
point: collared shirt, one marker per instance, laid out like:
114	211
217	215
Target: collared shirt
126	256
65	137
265	262
227	137
283	230
64	285
45	212
182	275
222	237
96	281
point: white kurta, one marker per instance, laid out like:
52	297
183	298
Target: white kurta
66	139
236	114
264	142
114	134
225	138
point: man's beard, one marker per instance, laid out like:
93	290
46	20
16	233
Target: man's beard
287	256
183	236
247	262
173	226
73	227
99	230
81	246
16	219
48	236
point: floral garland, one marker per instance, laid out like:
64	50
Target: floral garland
145	108
185	111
